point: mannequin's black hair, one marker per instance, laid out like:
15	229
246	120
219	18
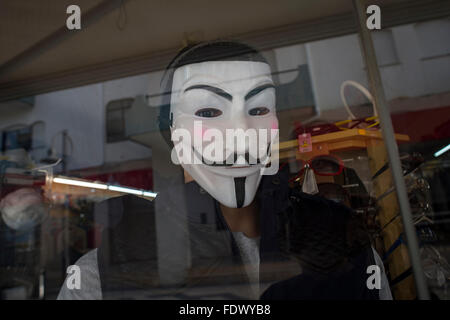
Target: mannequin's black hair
219	50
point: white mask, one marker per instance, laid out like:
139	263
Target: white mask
236	105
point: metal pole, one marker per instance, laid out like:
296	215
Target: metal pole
64	157
391	146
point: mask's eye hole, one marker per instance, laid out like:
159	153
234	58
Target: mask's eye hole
260	111
208	113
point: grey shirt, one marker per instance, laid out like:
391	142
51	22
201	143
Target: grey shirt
90	288
249	249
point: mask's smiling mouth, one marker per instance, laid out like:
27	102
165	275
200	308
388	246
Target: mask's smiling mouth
240	167
249	160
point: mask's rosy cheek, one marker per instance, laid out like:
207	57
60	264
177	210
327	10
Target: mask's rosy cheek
199	131
274	124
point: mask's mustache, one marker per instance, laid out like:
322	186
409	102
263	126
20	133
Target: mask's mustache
232	159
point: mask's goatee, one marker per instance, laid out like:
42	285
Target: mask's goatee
239	189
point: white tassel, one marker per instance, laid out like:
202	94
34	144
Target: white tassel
309	182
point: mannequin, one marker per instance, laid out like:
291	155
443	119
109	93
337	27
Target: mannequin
226	95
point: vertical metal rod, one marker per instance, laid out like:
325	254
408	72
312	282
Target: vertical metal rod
391	146
64	157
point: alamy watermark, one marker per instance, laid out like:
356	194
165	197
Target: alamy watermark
374	20
73	280
238	147
73	21
374	280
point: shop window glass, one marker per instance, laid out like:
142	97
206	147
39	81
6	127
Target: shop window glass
110	194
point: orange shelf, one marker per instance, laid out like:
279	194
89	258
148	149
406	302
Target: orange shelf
335	141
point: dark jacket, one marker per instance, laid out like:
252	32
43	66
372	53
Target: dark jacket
308	248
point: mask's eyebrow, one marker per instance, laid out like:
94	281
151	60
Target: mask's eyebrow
257	90
215	90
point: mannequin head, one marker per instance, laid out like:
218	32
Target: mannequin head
222	118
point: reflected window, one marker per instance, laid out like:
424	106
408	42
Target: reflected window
17	139
433	38
115	119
